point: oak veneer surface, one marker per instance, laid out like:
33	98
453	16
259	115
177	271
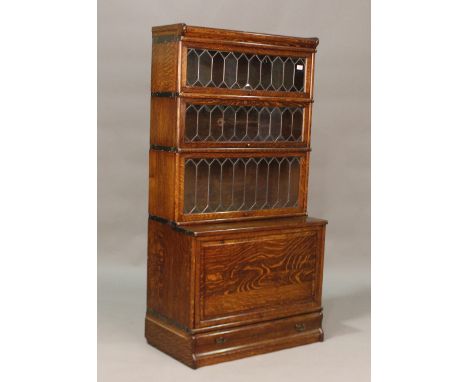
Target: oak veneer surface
251	273
196	350
235	266
213	278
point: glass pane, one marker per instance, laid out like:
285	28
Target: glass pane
293	183
235	70
191	123
277	76
218	64
230	70
190	186
205	68
254	72
230	123
203	123
288	74
192	67
266	74
240	184
286	125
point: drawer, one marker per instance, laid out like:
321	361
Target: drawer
260	335
224	186
258	276
230	69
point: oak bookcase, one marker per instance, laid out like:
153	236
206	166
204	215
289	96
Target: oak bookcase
235	266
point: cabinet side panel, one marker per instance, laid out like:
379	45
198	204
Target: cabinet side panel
161	184
169	274
304	181
312	75
318	292
164	121
164	68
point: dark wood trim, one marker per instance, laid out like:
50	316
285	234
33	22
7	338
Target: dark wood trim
172	224
164	94
164	148
216	149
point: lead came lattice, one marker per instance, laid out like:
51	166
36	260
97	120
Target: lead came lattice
226	123
240	184
234	70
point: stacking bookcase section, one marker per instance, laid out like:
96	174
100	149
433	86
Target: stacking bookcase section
194	123
235	266
195	60
190	187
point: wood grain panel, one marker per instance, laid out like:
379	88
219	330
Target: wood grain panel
164	71
164	126
169	273
244	275
162	179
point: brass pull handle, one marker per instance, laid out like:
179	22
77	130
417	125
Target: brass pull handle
299	327
220	340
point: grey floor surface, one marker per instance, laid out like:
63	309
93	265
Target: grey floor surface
124	355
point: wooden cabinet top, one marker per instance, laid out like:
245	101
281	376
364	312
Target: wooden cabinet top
248	226
188	32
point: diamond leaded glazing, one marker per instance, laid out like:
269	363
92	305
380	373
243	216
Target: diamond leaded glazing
240	184
229	123
234	70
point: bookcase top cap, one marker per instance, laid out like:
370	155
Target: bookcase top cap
189	31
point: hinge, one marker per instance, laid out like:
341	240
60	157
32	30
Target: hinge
164	94
161	39
171	224
164	148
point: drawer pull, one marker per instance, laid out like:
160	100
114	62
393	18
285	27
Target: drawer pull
299	327
220	340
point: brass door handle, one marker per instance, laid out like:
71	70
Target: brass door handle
299	327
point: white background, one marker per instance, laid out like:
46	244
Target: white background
48	199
